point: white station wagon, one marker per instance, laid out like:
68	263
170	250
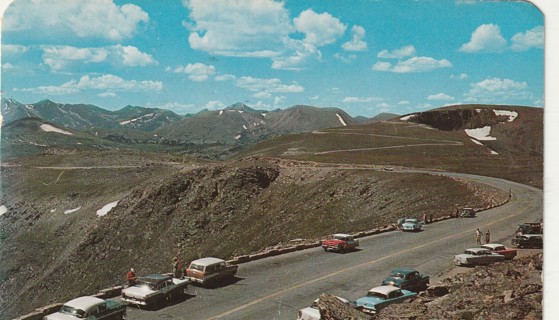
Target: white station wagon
477	256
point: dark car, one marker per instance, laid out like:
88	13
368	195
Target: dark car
528	241
467	213
407	278
529	228
154	289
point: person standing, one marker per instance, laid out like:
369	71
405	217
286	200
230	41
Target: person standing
478	236
131	277
487	236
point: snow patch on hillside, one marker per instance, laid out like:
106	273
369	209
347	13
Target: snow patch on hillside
220	112
48	128
493	152
108	207
341	120
481	134
406	118
3	209
477	142
245	127
237	137
511	114
72	210
136	119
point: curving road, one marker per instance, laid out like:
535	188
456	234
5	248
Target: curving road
277	287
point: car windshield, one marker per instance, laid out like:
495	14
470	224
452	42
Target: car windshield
145	283
78	313
376	295
196	267
343	238
397	275
411	220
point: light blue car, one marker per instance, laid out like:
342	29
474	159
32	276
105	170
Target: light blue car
380	297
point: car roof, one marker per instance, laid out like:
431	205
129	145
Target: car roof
341	235
207	261
477	249
493	245
84	303
404	270
384	289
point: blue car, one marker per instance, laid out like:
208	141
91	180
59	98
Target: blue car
380	297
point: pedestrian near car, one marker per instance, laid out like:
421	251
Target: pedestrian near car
487	236
425	218
175	265
131	277
478	236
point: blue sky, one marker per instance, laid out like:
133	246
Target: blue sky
363	56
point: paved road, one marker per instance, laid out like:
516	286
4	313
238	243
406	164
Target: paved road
277	287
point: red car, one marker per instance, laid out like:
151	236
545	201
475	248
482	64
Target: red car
501	249
340	242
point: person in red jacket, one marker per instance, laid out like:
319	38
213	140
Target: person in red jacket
131	277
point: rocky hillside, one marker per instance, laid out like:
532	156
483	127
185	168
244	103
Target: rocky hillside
506	290
195	210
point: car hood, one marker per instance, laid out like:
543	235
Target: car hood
138	292
369	302
61	316
463	256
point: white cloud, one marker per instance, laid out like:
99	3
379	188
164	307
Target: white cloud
132	57
315	97
300	54
179	108
345	59
8	67
241	28
356	43
486	38
107	94
497	90
383	107
262	95
62	57
107	83
273	85
407	51
533	38
319	29
14	49
414	64
461	76
360	99
440	97
403	102
85	18
214	105
196	71
278	101
225	77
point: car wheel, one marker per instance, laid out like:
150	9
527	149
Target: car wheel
341	249
325	249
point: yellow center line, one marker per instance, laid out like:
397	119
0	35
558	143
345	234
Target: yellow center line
273	295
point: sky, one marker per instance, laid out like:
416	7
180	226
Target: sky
365	57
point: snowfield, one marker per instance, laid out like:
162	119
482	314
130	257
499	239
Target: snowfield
3	209
481	134
341	120
511	114
108	207
72	210
48	128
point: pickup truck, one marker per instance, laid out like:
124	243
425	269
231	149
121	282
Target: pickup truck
340	242
210	271
89	308
407	278
154	289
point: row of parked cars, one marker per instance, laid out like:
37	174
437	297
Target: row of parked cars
149	291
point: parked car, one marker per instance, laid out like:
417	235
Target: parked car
209	271
467	213
528	241
380	297
89	308
312	312
501	249
340	242
154	289
407	278
477	256
411	224
529	228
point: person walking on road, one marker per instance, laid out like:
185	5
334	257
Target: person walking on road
478	236
487	236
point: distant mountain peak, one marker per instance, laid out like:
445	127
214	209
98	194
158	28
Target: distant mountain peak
239	106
